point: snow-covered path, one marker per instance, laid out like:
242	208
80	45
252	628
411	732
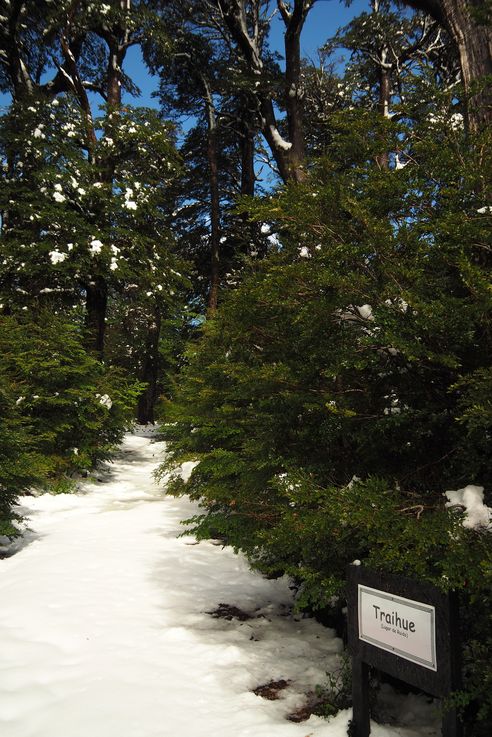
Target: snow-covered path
104	630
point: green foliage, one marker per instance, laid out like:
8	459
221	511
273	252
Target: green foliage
345	384
360	349
65	223
20	465
74	407
407	47
335	694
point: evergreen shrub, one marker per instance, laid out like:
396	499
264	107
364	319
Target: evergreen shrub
74	407
20	465
344	385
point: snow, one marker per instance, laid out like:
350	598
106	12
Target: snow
278	140
400	303
187	469
57	257
477	514
129	203
105	400
399	164
365	311
104	629
95	246
456	121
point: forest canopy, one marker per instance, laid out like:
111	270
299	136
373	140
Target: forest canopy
283	260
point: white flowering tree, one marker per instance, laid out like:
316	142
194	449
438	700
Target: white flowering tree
68	228
64	226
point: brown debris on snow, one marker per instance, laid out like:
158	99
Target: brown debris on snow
271	690
229	611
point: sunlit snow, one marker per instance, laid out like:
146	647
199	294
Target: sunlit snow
104	629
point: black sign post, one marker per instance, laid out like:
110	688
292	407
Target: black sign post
405	628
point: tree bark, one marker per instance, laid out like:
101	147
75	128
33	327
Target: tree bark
248	236
248	177
97	291
474	44
384	73
293	92
289	155
213	176
150	372
96	308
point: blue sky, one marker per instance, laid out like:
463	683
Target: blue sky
325	17
323	20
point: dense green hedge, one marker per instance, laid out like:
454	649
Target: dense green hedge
359	348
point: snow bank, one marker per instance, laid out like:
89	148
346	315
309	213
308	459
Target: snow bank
105	624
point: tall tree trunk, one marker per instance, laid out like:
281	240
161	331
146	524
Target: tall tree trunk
475	49
96	308
248	237
384	74
248	177
97	290
293	91
474	44
278	146
213	176
150	372
289	155
213	171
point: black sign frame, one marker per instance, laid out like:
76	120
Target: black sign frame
440	683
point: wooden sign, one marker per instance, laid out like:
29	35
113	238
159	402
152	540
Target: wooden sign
407	629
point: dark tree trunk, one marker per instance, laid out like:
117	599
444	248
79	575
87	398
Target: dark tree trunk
293	92
248	236
213	178
213	171
475	48
382	159
474	44
289	155
96	307
280	153
248	177
150	372
97	290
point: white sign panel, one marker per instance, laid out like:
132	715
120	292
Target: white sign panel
401	626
